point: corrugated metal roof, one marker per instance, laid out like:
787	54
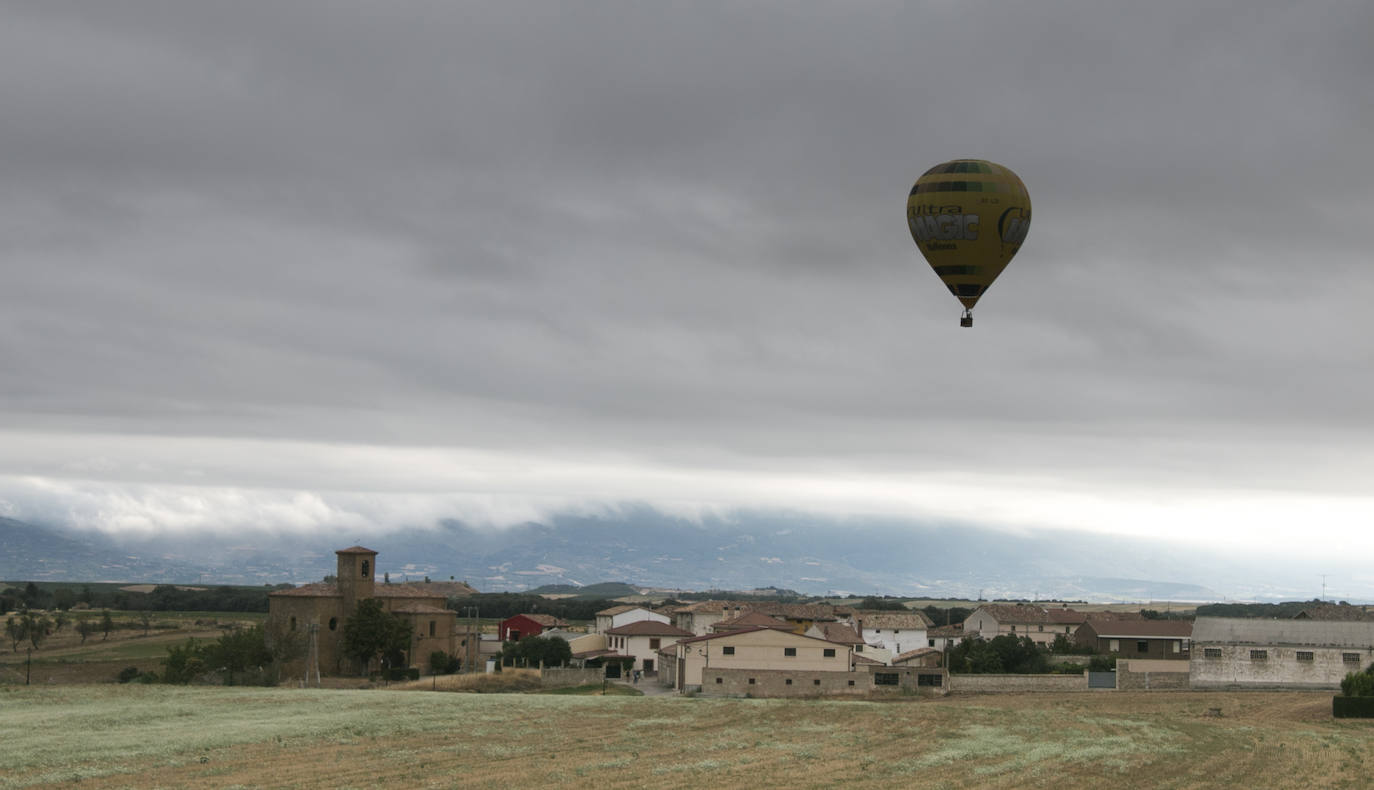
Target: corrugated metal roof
1254	631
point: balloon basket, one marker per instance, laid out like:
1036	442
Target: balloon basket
966	319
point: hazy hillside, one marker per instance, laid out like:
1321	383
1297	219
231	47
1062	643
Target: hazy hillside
647	548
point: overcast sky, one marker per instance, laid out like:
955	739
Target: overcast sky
291	265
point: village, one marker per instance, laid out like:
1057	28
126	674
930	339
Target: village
741	648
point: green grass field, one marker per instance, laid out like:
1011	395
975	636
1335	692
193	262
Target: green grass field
158	736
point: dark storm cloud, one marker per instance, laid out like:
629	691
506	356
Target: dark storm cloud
674	234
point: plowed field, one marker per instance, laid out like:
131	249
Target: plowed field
154	736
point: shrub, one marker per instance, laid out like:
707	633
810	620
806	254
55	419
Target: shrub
1358	684
127	674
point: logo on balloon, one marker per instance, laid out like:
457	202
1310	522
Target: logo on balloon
1013	225
943	227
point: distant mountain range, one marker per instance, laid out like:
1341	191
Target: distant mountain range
645	548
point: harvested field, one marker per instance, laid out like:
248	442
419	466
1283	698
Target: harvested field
154	736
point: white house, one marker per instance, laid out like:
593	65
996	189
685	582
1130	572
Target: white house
642	640
616	616
897	632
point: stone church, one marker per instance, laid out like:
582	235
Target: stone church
327	605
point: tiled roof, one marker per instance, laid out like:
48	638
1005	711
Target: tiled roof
1025	614
546	620
917	653
355	550
946	631
751	618
893	620
841	633
860	658
799	611
316	590
1131	629
615	610
648	628
407	591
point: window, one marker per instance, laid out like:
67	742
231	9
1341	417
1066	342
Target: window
885	678
1259	655
1142	646
828	652
789	651
851	682
788	682
1114	645
1304	655
929	680
817	682
728	650
1350	658
1066	629
1041	627
364	566
654	643
1013	629
751	681
931	643
333	623
293	622
720	680
1211	652
1178	645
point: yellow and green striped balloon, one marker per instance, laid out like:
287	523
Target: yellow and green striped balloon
969	217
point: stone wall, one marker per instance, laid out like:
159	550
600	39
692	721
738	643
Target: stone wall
988	684
560	677
1152	675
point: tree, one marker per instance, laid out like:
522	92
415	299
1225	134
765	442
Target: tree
283	644
85	627
60	619
14	629
238	651
36	627
64	599
1005	653
184	662
145	618
536	651
371	631
106	624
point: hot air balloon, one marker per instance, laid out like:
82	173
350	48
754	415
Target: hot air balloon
968	217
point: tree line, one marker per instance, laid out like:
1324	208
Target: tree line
163	598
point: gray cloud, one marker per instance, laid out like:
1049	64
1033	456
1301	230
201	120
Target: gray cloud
672	236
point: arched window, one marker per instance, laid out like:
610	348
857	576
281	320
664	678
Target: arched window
333	623
365	569
293	622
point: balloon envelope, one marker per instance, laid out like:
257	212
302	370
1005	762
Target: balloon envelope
968	217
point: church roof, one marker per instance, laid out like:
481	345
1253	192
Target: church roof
355	550
316	590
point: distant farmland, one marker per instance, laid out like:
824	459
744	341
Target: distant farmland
143	736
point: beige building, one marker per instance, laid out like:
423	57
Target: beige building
322	609
1022	620
757	647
